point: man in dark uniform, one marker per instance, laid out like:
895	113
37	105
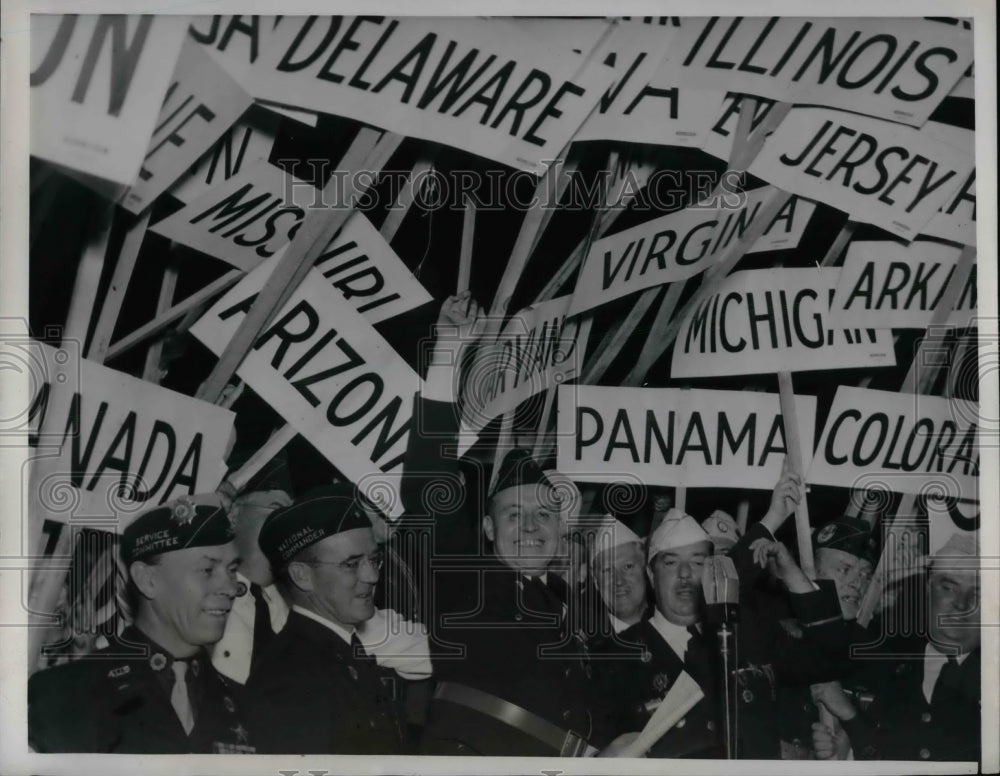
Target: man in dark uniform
316	690
926	689
845	553
154	691
676	639
512	679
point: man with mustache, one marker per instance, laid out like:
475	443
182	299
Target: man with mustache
512	675
316	689
154	690
676	639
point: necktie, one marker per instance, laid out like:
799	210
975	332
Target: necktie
948	681
179	698
360	655
697	658
263	633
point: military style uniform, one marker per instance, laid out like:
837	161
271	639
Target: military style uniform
902	724
502	644
105	703
768	656
314	693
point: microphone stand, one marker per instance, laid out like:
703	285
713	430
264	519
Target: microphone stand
727	650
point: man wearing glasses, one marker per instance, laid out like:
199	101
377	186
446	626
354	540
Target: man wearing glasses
316	688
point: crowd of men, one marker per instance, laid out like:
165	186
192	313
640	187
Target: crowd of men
255	627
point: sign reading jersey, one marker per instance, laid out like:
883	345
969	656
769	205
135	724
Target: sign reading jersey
674	436
774	320
327	372
878	172
97	83
905	443
123	445
478	84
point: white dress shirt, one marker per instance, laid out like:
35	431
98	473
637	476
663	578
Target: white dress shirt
676	636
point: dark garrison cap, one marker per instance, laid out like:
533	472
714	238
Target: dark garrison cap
322	512
848	534
190	521
518	468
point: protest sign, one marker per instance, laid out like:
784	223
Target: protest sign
202	102
358	264
904	443
880	173
97	83
956	219
897	69
125	444
329	374
674	436
681	245
537	350
245	219
885	285
248	142
775	320
477	84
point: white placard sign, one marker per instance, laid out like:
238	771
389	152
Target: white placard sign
718	138
774	320
894	68
329	374
248	142
203	101
537	350
126	444
674	436
245	219
358	264
681	245
904	443
956	219
97	83
885	285
477	84
878	172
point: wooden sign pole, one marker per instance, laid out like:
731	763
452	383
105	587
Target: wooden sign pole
115	297
319	226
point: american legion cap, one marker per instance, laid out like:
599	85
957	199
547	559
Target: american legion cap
518	468
322	512
189	521
848	534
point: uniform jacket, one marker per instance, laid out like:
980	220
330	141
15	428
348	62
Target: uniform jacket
310	694
491	628
902	725
104	703
768	656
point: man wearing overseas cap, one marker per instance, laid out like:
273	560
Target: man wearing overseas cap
155	691
845	553
317	690
927	702
512	677
675	640
617	563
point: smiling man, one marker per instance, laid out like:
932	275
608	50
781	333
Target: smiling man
316	690
617	560
845	552
512	675
155	690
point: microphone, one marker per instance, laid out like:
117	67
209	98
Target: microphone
721	587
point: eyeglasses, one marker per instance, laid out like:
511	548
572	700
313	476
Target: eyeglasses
375	560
